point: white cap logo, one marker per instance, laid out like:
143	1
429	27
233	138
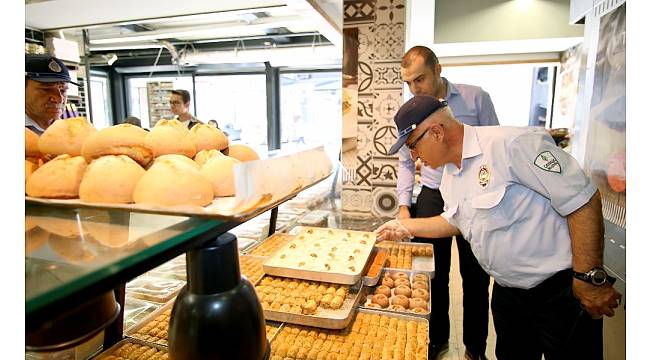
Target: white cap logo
54	66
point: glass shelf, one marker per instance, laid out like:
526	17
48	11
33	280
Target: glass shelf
68	252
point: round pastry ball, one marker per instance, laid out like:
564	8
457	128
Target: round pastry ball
380	299
208	137
420	285
241	152
382	289
110	179
420	277
417	303
170	137
387	281
123	139
402	281
204	155
397	308
178	158
420	293
399	275
220	172
31	144
403	290
57	179
400	300
66	136
169	183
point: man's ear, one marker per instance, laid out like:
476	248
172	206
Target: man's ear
437	131
438	70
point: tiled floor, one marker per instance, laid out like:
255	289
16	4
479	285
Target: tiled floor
456	347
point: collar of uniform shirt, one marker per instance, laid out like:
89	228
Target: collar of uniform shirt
471	148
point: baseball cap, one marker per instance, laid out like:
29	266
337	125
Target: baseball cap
412	113
46	69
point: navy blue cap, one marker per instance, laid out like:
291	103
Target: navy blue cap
411	114
46	69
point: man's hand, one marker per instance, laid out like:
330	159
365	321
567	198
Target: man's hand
403	213
596	300
393	231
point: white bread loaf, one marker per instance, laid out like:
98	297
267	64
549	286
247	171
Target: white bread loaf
170	137
203	156
219	171
58	178
241	152
66	136
122	139
110	179
208	137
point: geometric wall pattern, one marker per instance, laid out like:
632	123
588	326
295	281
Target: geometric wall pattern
380	25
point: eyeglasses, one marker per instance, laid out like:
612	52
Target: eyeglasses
412	145
175	102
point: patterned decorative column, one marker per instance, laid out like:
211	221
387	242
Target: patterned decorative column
379	26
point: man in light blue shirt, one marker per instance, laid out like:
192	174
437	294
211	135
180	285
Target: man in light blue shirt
471	105
534	222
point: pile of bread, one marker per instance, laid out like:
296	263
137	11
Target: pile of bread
168	166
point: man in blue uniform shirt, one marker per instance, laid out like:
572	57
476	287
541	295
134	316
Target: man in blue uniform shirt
471	105
533	220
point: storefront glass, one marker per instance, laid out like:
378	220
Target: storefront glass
138	105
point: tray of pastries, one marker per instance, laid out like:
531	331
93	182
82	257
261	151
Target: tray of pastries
154	289
173	269
409	256
251	267
401	291
272	328
135	310
270	245
371	335
374	266
321	254
154	327
308	303
134	349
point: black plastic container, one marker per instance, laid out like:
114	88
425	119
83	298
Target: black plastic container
217	314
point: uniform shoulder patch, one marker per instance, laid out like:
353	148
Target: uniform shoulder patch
547	162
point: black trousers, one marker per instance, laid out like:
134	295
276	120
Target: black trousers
546	319
475	282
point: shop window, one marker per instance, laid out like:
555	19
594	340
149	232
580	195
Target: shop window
138	102
100	101
310	110
521	93
237	103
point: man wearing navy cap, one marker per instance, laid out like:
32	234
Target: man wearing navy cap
46	85
533	220
421	71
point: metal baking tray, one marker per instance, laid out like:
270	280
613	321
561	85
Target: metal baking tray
268	246
154	289
368	292
272	329
113	348
173	269
257	260
135	310
324	276
133	331
418	263
372	281
345	332
323	318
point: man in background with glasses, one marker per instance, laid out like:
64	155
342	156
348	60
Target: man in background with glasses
179	102
533	220
471	105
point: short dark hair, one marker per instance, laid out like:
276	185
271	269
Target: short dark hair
184	94
430	58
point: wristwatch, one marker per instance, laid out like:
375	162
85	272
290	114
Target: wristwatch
596	276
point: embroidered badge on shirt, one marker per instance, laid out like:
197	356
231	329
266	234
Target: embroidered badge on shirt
54	66
546	161
483	176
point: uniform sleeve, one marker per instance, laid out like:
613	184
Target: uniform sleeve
537	163
405	177
487	116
